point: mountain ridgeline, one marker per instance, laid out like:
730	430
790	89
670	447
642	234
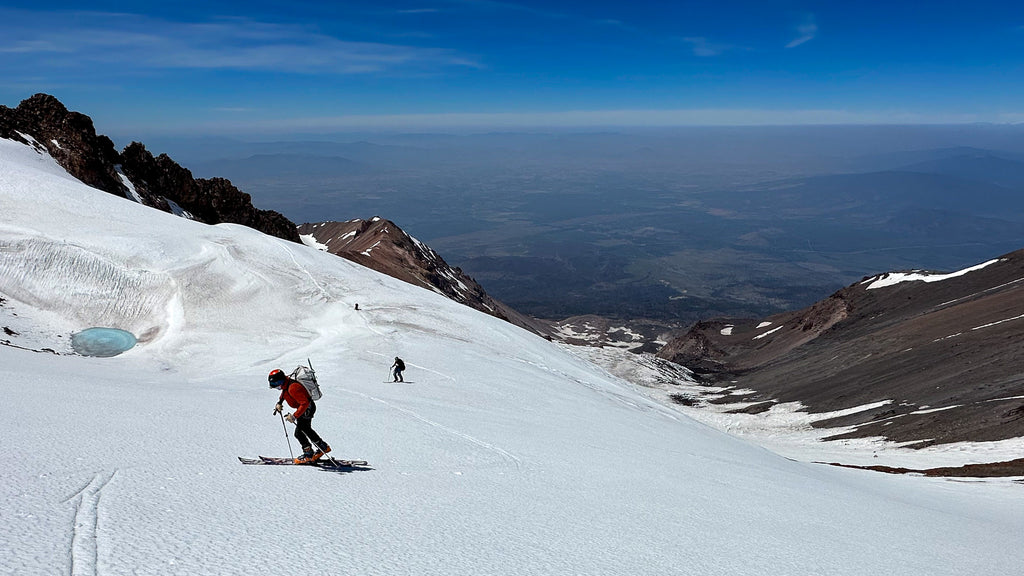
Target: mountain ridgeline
70	138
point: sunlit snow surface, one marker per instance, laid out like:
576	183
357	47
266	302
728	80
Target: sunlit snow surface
892	278
507	456
788	428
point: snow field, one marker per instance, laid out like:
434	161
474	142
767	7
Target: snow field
506	455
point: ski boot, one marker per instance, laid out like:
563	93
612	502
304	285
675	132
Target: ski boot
322	449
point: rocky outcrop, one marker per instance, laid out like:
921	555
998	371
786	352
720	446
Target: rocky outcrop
383	246
212	200
735	346
70	138
638	335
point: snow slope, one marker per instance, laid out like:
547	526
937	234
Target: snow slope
504	455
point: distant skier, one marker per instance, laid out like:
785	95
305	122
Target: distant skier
398	368
357	305
295	394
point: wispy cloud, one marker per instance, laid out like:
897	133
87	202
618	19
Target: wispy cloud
704	48
138	42
806	31
498	7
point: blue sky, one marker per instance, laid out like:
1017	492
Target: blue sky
268	67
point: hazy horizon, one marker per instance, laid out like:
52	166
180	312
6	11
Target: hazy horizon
223	66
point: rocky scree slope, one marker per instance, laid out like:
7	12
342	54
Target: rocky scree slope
942	354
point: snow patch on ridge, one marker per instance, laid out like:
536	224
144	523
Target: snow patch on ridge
132	193
178	210
310	240
893	278
772	331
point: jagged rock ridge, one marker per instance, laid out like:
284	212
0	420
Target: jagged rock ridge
945	352
70	138
380	244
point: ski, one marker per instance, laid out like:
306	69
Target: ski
322	463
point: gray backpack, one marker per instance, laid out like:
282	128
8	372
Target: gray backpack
306	376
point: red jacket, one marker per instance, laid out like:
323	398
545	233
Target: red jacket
294	393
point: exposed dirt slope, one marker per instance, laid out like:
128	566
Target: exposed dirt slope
946	350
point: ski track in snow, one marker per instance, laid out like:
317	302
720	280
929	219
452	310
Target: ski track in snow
84	552
467	437
307	273
622	398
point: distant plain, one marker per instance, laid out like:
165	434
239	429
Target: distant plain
669	225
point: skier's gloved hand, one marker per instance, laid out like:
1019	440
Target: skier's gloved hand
278	408
289	417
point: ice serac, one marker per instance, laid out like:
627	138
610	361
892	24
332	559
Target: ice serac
379	244
43	122
945	349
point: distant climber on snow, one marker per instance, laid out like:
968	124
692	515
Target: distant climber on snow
398	368
294	393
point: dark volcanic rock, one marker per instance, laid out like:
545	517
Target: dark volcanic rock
947	355
70	138
212	201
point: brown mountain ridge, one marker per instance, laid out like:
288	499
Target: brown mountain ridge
944	352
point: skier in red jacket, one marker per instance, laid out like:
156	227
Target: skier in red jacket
294	393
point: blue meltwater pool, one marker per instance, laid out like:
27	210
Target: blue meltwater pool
102	342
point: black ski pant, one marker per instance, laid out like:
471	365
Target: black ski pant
304	432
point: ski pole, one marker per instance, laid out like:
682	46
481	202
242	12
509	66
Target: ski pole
290	453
